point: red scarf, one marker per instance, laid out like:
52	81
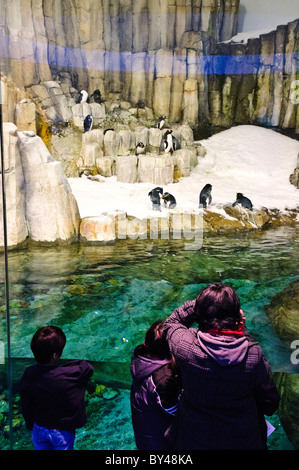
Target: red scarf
226	332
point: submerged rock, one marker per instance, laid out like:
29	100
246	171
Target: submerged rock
283	312
288	411
110	393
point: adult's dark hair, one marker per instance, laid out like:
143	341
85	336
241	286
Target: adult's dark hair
217	306
155	344
47	341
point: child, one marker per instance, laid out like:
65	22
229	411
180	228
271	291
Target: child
52	396
155	389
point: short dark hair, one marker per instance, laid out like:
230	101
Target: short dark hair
217	306
155	343
47	341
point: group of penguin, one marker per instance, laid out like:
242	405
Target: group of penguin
169	144
205	199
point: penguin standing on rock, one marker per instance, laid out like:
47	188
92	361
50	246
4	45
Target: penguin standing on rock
160	122
244	201
96	96
83	98
155	196
140	148
88	121
205	196
170	142
170	199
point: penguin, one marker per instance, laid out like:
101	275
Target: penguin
96	96
83	98
160	122
88	121
155	196
244	201
140	148
205	195
169	198
175	143
170	142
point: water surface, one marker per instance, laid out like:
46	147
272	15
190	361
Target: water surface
105	298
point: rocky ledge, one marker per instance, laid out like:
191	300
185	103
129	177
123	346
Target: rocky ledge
111	226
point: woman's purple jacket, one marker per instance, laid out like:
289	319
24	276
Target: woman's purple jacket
227	387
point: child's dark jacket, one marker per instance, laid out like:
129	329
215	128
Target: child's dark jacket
53	396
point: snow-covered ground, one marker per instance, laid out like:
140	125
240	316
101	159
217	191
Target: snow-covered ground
248	159
242	37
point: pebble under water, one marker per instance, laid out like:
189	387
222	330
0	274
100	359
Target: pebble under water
105	298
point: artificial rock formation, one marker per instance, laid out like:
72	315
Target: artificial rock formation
174	58
283	313
288	411
39	201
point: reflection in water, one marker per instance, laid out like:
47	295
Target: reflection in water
105	298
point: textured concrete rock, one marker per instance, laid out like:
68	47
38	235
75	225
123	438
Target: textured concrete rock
288	411
51	209
126	169
26	116
14	181
38	195
283	312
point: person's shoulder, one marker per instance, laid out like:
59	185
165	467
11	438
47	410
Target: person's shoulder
78	366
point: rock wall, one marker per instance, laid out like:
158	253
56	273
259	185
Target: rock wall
257	84
39	201
53	36
172	56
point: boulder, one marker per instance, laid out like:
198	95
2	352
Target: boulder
183	160
154	138
126	142
288	411
104	166
155	169
14	180
283	312
25	115
111	143
251	219
79	112
126	168
90	153
97	229
51	210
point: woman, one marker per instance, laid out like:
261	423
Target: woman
226	378
155	389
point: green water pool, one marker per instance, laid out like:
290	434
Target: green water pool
105	297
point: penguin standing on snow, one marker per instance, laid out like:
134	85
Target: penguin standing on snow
170	199
244	201
160	122
205	196
88	121
140	148
83	98
155	196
